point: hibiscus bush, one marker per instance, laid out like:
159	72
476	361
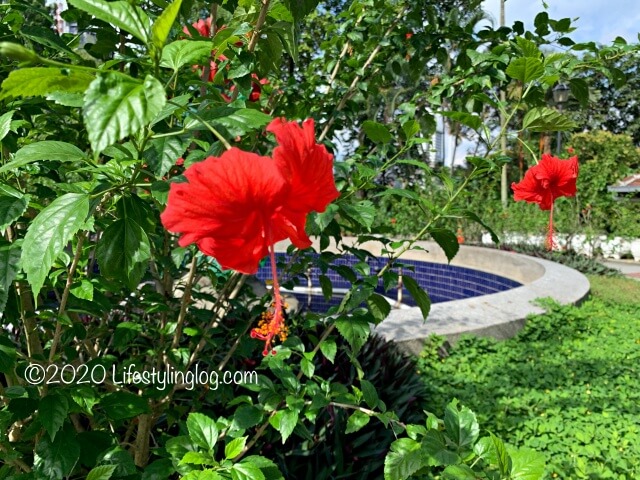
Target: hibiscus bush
151	162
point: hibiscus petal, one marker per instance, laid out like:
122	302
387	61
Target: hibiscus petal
227	206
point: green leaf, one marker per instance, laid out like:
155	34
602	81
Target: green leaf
123	405
580	90
329	349
544	119
52	412
45	150
461	426
284	422
300	8
527	464
356	421
246	471
162	26
83	290
418	294
474	217
503	461
40	81
49	233
5	123
7	355
326	285
471	121
11	206
121	14
115	108
237	121
525	69
202	430
459	472
377	132
400	192
185	52
46	36
197	458
528	48
403	460
447	240
163	153
379	307
56	458
355	330
102	472
247	416
123	250
434	444
363	212
234	447
369	393
307	366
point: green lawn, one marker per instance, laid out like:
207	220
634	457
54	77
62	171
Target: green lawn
568	385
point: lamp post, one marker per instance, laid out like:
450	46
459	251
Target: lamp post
560	96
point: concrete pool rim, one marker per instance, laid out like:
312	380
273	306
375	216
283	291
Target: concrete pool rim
500	315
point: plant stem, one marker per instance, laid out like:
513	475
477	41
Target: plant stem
184	304
256	30
65	297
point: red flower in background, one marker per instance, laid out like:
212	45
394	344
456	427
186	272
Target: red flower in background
236	206
204	29
543	183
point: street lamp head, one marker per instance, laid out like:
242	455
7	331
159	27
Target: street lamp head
561	93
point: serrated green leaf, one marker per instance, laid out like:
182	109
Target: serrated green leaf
403	460
300	8
355	330
202	430
234	447
49	233
580	90
185	52
329	349
377	132
356	421
5	123
121	14
528	48
307	367
123	405
246	471
40	81
247	416
101	472
47	37
419	295
52	412
447	240
326	285
474	217
163	153
45	150
56	459
123	250
459	472
400	192
236	121
362	212
162	26
284	422
434	444
544	119
527	464
525	69
83	290
379	307
461	426
115	108
9	267
503	461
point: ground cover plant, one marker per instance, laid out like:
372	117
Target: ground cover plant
149	163
566	386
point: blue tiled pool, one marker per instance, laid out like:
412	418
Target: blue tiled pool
442	282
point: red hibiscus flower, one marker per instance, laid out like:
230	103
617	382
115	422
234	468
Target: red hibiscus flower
543	183
236	206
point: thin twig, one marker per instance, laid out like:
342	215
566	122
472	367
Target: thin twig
256	30
186	298
65	297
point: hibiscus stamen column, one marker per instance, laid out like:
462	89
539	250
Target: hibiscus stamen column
549	243
272	321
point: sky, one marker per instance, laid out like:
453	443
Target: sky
600	21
